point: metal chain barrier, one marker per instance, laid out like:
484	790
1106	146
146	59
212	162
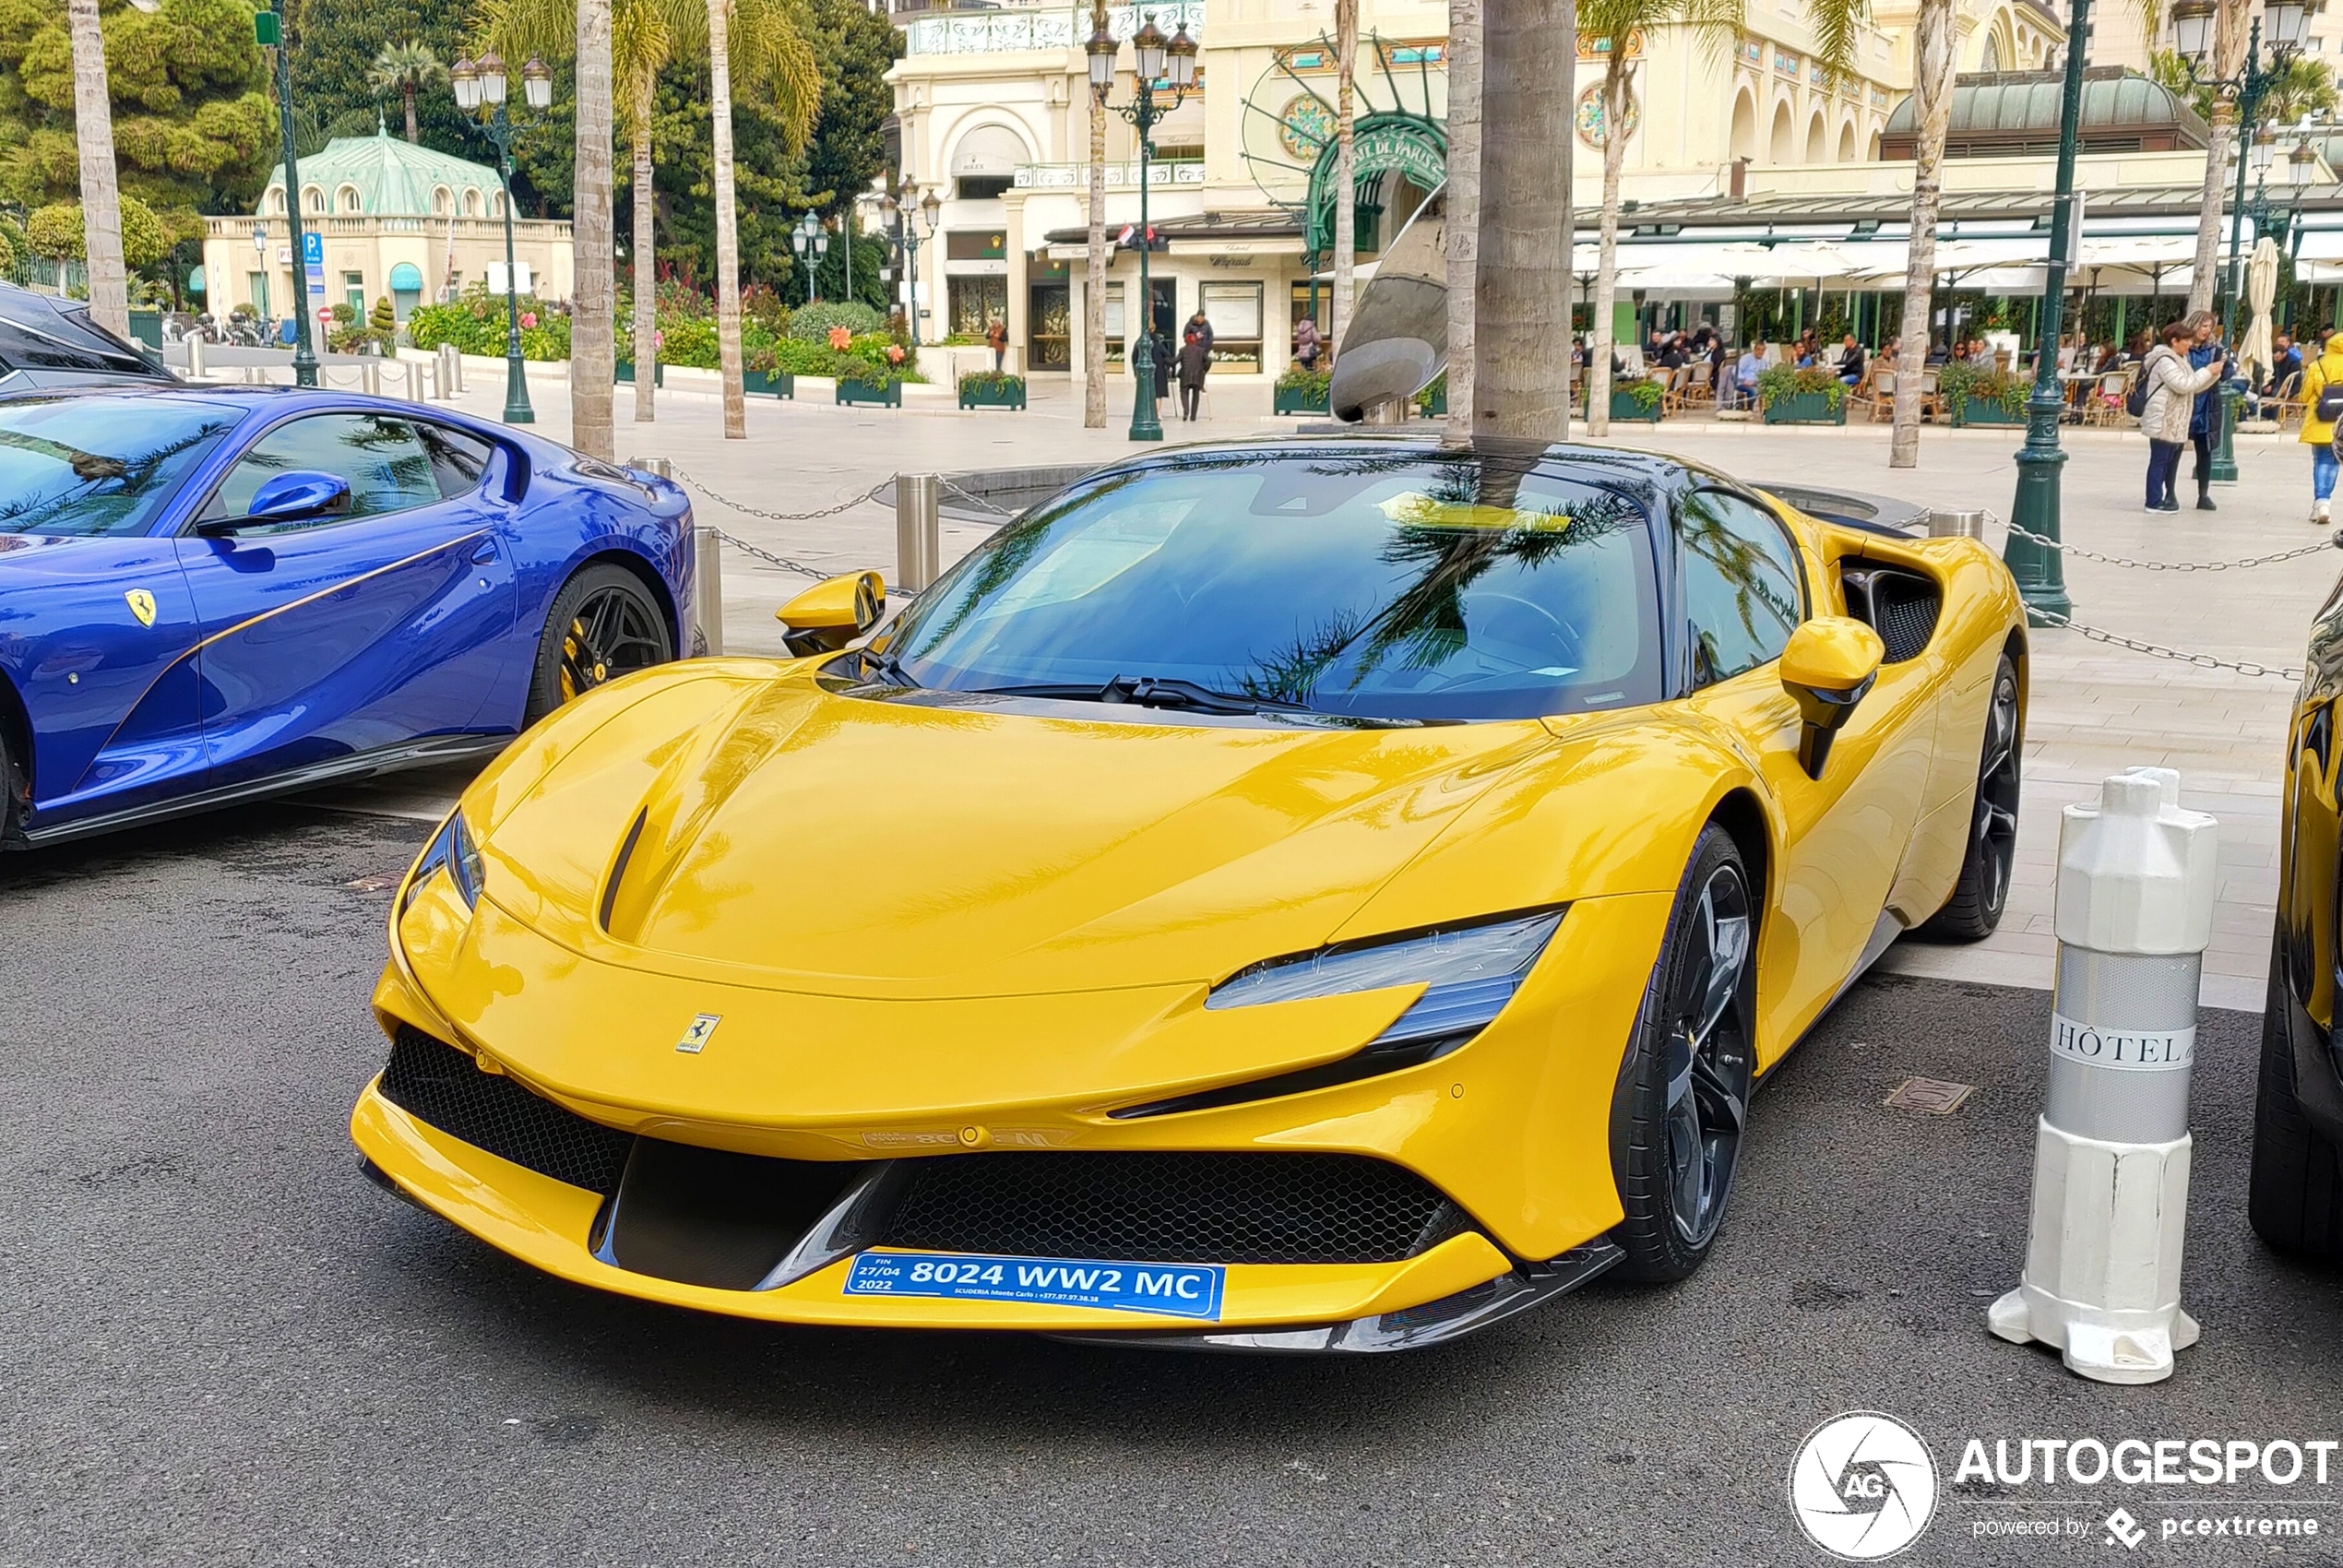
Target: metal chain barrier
2059	544
2201	660
973	500
747	511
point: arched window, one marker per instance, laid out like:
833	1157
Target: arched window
1873	153
496	204
345	200
1817	147
443	201
471	202
1782	144
312	201
277	200
1847	142
1991	58
1745	135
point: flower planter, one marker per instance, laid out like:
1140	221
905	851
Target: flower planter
890	395
1804	407
627	373
1297	400
770	383
1436	406
1977	412
1009	395
1624	406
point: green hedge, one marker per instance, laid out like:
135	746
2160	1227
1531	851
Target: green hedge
812	324
476	324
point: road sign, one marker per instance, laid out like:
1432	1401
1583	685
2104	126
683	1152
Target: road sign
267	29
313	249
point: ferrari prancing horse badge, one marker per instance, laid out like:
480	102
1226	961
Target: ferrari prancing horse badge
696	1037
142	605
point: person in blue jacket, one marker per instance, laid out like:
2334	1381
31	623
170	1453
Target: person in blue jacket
2202	419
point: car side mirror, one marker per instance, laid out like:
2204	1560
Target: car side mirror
833	612
1829	667
289	497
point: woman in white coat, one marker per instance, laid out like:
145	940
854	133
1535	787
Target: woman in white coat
2172	388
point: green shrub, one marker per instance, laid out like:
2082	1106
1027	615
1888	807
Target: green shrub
1960	384
1318	384
476	324
812	324
383	319
1781	381
992	383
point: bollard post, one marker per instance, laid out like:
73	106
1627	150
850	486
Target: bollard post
918	530
194	358
1957	525
414	381
370	378
2134	915
451	370
707	590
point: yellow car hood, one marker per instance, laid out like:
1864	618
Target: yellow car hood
793	839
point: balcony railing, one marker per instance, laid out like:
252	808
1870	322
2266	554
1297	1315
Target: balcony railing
1119	176
346	226
1054	27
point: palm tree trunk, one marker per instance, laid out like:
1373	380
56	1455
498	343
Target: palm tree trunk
1932	110
100	199
728	238
594	371
646	265
1461	213
1094	263
1345	194
2228	57
1521	289
407	93
1614	154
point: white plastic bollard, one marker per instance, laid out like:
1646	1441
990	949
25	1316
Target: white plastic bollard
2102	1280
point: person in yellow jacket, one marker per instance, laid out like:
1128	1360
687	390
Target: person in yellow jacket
2321	406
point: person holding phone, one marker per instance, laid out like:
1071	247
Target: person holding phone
2171	386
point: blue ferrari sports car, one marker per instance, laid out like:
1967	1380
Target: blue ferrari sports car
209	594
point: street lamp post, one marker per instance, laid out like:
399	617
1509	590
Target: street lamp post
269	28
483	85
2040	573
2193	28
1173	62
908	235
807	234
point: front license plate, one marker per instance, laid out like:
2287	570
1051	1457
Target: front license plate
1169	1289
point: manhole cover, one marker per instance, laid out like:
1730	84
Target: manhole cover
1934	1096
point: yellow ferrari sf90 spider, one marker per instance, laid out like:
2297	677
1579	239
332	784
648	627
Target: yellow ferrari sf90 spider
1298	896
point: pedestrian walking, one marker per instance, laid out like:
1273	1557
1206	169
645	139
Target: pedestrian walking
1199	325
1162	365
2321	409
1195	358
1307	342
996	338
2205	412
2171	389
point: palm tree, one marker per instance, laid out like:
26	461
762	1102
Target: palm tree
2229	19
1460	215
593	358
405	69
1094	288
1346	195
646	35
1528	59
1613	25
773	55
100	199
1932	117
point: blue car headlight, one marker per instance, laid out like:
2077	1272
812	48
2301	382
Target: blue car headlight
1469	973
451	849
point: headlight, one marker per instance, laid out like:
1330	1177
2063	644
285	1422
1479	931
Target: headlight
1469	974
452	851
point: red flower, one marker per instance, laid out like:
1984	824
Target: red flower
894	353
840	339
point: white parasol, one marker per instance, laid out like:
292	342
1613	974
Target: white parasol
2261	289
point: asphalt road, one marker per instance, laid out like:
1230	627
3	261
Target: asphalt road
221	1346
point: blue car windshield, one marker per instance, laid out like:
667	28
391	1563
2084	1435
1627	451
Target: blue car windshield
101	465
1407	586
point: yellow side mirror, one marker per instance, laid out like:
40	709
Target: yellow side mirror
1829	666
833	612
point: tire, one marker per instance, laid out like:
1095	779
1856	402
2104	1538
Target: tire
16	795
1677	1117
604	624
2294	1197
1975	908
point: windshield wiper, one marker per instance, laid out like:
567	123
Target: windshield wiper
1152	691
888	667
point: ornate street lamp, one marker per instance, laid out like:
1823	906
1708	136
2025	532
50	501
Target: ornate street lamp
269	29
481	85
1170	62
2285	23
801	239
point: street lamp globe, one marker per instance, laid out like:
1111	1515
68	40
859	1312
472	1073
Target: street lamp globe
1147	44
1181	51
2285	22
466	77
537	84
2265	147
931	211
2192	28
492	78
1101	49
2299	164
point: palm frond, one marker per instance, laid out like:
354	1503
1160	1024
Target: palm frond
1836	25
773	57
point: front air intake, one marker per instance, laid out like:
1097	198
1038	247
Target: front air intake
435	1083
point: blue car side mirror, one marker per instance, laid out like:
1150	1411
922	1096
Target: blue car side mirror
287	498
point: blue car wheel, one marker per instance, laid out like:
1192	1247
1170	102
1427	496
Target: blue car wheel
604	625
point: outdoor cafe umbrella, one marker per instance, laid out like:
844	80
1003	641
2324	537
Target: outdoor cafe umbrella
2261	289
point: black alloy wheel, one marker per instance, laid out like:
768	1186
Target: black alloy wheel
1978	897
604	625
1684	1095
